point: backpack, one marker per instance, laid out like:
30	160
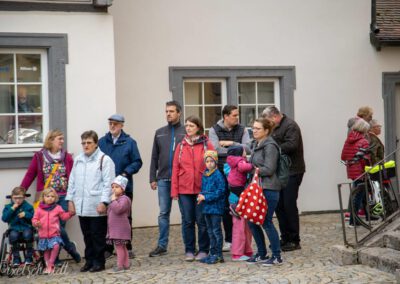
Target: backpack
282	170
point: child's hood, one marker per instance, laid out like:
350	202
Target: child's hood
233	161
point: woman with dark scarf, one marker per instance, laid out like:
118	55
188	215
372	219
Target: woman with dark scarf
52	166
187	170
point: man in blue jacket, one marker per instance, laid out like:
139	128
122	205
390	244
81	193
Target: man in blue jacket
125	154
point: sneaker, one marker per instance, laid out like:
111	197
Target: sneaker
189	256
201	255
256	258
116	270
272	261
28	261
108	254
232	209
290	246
131	254
74	253
16	262
227	246
361	213
347	216
159	251
240	258
213	259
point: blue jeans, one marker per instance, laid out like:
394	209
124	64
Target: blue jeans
258	234
165	203
68	246
192	213
15	237
214	233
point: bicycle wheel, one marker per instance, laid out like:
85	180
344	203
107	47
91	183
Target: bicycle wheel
357	193
389	200
4	255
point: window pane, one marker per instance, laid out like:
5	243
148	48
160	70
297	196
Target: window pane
247	115
193	93
7	99
30	129
29	98
6	68
213	114
261	109
247	93
265	92
28	68
7	123
212	93
197	111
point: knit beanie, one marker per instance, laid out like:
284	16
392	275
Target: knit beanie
121	181
235	151
212	154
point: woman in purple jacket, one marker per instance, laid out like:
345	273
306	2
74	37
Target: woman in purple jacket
118	228
51	166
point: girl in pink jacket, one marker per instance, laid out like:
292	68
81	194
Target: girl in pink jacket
241	235
47	220
118	229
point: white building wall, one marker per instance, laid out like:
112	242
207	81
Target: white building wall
337	71
90	79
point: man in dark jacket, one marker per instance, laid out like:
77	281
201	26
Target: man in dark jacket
225	133
288	136
165	140
124	152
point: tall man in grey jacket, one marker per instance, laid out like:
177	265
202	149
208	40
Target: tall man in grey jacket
165	141
225	133
288	136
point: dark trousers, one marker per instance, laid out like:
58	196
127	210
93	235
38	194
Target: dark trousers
94	230
226	217
25	236
214	233
287	211
192	214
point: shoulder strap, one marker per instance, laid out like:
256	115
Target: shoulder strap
51	175
101	162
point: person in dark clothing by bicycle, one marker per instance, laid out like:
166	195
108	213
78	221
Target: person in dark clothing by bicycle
288	136
165	141
124	152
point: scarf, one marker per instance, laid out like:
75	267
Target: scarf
47	207
207	173
50	159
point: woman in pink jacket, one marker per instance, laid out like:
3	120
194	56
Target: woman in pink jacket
47	219
187	170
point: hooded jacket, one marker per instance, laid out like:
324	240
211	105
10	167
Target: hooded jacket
239	169
355	140
213	189
188	166
50	221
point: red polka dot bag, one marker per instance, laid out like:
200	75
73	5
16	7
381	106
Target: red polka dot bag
252	204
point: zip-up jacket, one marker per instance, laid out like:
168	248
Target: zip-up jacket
50	221
15	223
355	141
188	167
165	140
239	169
213	189
125	155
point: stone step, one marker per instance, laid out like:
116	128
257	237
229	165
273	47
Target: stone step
385	259
391	240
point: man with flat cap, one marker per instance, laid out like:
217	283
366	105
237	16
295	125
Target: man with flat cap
124	152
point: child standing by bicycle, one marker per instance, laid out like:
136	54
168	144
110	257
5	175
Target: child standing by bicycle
118	229
241	235
18	214
47	220
212	196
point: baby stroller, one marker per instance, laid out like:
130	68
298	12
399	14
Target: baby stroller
6	256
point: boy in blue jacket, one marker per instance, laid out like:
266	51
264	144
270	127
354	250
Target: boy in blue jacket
18	214
213	197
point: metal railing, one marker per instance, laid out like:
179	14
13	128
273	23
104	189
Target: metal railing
372	228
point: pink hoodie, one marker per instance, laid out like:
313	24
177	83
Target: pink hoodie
239	169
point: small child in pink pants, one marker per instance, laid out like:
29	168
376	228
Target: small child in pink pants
241	235
118	229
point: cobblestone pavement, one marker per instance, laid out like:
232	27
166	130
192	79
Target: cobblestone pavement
311	264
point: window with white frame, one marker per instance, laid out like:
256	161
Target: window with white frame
254	95
204	98
24	113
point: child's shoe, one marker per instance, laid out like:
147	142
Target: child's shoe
273	261
29	261
16	262
240	258
213	259
232	209
256	258
116	270
227	246
49	269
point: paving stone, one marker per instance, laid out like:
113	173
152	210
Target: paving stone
312	264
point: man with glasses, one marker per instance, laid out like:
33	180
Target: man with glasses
125	154
288	136
228	132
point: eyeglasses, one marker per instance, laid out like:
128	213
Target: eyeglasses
87	143
17	197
